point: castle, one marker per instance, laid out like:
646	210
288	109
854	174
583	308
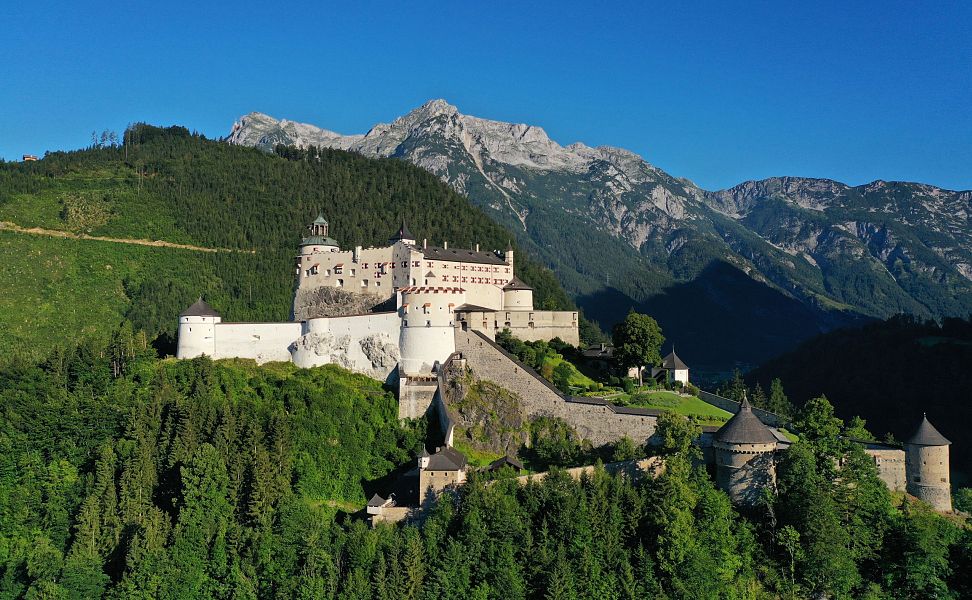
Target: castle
388	312
426	317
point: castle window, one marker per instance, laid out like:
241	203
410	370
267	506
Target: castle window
377	284
340	283
328	272
339	268
352	272
428	323
507	269
405	323
404	263
416	264
364	283
425	307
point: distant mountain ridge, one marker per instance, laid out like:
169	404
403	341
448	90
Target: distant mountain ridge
736	275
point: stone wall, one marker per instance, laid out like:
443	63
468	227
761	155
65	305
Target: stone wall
890	463
415	396
263	342
594	419
635	469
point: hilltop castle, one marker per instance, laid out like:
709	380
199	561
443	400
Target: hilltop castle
391	311
426	317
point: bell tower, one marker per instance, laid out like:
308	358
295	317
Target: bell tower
319	226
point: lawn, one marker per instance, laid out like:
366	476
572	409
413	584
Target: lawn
689	406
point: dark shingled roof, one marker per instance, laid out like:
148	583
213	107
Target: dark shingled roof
516	284
745	428
447	459
672	361
927	435
402	234
199	308
461	255
376	500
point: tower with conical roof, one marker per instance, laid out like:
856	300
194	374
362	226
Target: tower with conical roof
197	330
926	466
403	235
745	456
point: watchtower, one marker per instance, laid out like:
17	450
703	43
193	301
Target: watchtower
744	450
926	466
197	330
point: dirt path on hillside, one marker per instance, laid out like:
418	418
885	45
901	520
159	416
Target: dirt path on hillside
7	225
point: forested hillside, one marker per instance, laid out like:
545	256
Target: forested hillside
168	184
126	476
890	372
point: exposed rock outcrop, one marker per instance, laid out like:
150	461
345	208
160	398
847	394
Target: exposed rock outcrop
329	301
381	350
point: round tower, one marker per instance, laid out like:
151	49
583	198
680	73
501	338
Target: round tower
197	330
744	453
926	466
517	295
318	240
428	328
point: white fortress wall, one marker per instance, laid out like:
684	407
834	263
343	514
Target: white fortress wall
363	343
263	342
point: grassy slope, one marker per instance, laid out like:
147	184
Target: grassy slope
683	405
204	193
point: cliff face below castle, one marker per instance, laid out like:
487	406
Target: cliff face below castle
489	418
329	301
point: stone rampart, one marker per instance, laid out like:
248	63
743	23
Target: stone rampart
596	420
635	469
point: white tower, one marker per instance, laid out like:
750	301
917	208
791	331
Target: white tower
428	332
197	330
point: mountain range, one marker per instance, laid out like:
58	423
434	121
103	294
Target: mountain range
734	276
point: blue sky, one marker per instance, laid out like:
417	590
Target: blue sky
717	92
